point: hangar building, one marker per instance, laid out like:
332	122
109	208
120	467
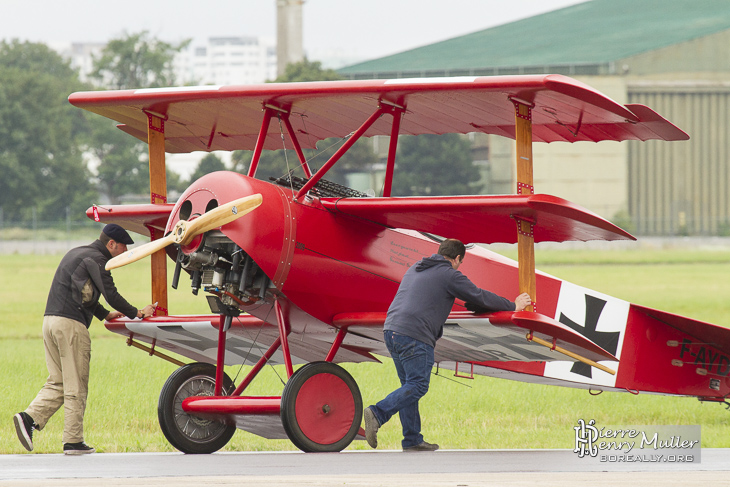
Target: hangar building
672	55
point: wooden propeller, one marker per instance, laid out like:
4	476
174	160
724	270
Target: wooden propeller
186	230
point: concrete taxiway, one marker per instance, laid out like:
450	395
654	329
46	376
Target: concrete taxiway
458	468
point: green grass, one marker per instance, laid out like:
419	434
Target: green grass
457	413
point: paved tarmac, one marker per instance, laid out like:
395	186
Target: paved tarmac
457	468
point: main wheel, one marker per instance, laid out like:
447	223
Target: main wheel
188	433
321	408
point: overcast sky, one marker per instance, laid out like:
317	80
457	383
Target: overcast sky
366	29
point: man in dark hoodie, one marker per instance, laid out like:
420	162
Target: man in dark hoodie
414	322
73	301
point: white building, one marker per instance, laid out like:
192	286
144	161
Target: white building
221	61
227	61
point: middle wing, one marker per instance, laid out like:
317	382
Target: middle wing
483	219
142	219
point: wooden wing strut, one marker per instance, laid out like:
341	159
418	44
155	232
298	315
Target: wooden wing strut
158	196
525	234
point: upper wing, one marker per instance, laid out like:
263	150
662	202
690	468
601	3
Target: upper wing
484	219
229	117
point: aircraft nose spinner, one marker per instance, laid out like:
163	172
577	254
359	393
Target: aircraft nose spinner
186	230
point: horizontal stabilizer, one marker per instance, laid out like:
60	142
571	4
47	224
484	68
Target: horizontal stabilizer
136	218
714	335
485	218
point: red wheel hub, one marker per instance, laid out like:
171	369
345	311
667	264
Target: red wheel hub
325	408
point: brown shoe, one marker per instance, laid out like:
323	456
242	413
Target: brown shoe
371	427
423	447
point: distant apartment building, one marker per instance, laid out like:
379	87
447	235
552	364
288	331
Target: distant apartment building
227	61
220	61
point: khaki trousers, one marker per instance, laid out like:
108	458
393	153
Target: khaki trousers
68	353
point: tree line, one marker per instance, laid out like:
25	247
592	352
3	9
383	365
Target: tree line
56	158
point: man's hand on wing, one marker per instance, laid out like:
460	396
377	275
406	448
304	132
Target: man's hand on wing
147	311
113	315
522	301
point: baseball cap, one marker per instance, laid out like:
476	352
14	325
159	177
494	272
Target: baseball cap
118	234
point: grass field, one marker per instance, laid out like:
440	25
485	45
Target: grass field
457	413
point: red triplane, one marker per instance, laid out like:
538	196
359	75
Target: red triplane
302	271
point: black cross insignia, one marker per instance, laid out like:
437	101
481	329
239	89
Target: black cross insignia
608	340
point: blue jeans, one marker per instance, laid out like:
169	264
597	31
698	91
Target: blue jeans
413	362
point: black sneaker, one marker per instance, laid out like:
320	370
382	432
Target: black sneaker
371	427
24	426
423	447
79	448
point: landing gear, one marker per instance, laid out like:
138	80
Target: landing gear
188	433
321	408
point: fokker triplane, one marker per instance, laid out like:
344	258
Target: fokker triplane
301	270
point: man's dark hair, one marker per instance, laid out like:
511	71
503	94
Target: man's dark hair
452	248
105	239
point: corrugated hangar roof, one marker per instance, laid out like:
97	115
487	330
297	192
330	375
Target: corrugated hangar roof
590	33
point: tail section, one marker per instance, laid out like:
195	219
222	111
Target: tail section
660	353
671	354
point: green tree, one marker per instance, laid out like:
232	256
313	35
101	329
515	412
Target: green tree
136	61
307	70
175	182
40	162
434	165
132	61
123	166
208	164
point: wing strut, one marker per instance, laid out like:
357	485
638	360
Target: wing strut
390	166
295	143
525	234
270	111
552	346
260	143
341	151
158	196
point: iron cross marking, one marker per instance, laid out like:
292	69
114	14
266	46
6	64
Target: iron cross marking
608	340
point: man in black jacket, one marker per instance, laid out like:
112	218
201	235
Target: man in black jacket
73	301
414	322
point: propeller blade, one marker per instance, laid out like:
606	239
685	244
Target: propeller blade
185	231
220	216
137	253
